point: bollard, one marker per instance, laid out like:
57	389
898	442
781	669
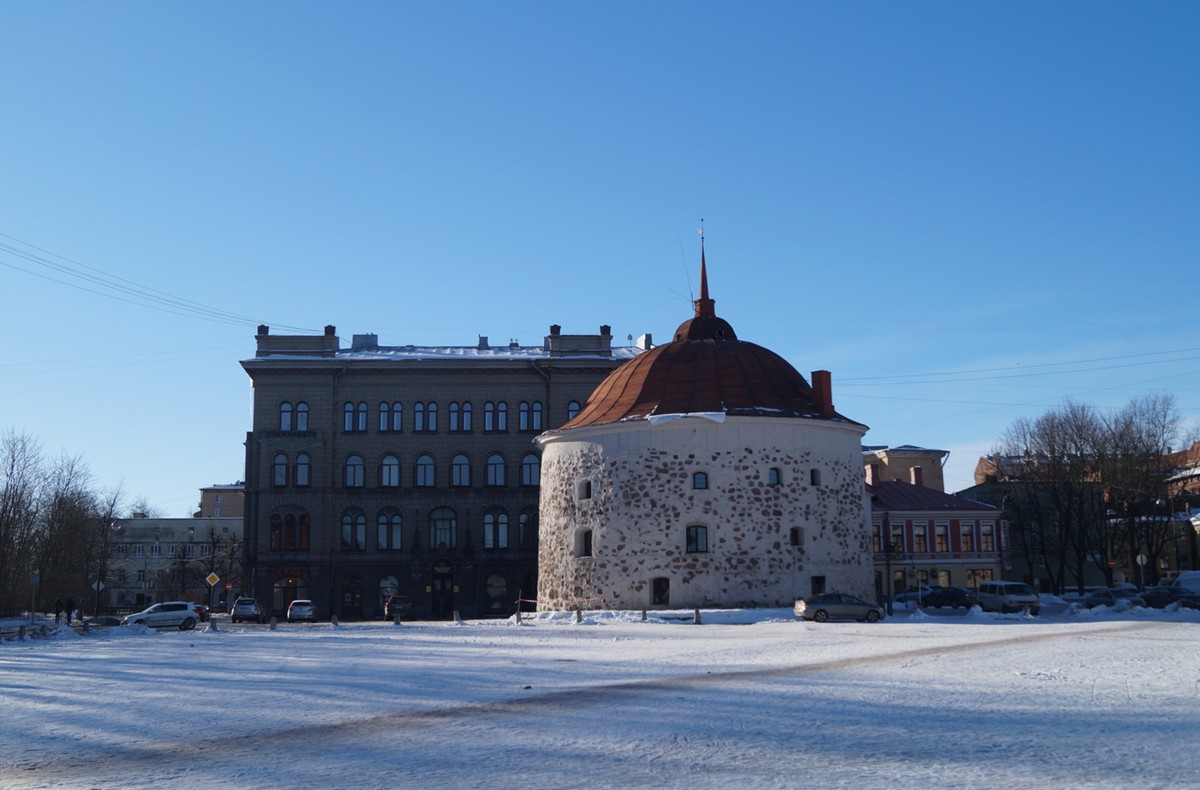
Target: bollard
272	623
21	634
578	616
643	615
333	620
457	619
85	628
518	615
212	624
396	619
696	617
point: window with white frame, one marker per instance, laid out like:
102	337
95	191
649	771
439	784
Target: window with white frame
495	470
425	473
460	471
353	477
389	472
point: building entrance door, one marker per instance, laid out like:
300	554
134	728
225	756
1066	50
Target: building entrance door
441	600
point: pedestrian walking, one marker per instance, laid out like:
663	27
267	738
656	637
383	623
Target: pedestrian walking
58	610
70	609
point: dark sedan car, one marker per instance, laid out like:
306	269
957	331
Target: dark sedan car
954	597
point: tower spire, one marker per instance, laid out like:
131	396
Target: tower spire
704	305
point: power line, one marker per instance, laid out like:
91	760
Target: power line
95	281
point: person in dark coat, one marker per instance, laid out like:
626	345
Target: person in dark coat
70	609
58	610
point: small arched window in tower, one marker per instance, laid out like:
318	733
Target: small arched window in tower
797	537
700	480
774	476
583	543
697	539
814	477
583	490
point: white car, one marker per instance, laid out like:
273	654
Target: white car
301	609
1002	596
169	614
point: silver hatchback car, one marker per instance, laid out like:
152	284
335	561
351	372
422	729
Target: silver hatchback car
301	609
838	606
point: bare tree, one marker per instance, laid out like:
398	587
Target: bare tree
20	471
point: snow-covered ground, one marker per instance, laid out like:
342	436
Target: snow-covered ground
745	699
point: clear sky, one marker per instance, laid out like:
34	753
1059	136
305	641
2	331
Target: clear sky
968	212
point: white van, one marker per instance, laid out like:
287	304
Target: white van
1008	597
1189	580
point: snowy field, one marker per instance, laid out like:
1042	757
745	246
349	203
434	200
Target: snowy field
1103	699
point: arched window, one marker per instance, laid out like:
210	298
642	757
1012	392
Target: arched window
495	470
397	417
489	416
354	532
353	477
385	417
285	416
389	472
431	416
442	528
460	471
454	416
523	416
697	539
424	472
279	471
501	416
526	530
700	480
573	409
466	416
301	416
389	528
536	415
354	417
289	532
495	531
276	532
531	470
302	469
774	477
418	416
302	540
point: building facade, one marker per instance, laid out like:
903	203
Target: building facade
374	471
222	501
171	559
705	473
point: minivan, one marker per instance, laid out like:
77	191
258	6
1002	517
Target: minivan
1189	580
1008	597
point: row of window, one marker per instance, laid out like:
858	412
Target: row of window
293	532
184	550
356	416
298	471
941	538
695	540
700	481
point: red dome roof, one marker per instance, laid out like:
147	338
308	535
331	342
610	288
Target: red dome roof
704	369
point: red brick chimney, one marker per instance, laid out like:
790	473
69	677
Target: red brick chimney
823	392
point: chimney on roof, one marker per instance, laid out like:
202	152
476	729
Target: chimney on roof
605	330
823	392
916	477
555	330
330	330
483	343
263	329
873	474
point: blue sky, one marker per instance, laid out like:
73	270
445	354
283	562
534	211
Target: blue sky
966	211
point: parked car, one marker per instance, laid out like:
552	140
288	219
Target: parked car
1113	596
914	594
837	606
301	609
168	614
1162	596
954	597
246	609
1189	580
397	605
1008	597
